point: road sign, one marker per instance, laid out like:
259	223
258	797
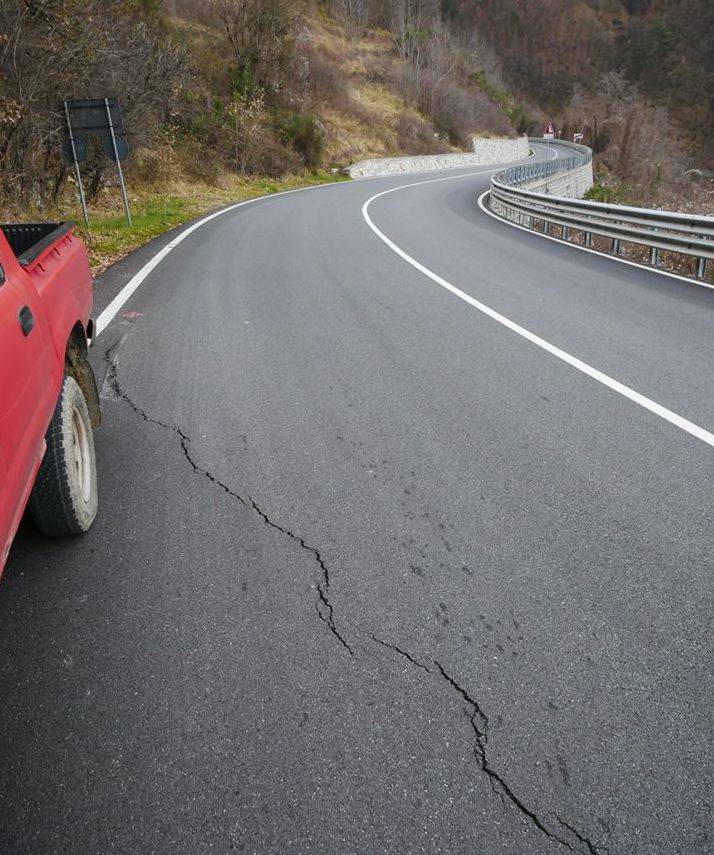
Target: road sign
80	150
549	131
122	148
99	117
95	115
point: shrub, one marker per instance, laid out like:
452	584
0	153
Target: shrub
327	84
153	165
459	112
617	194
197	162
415	136
266	154
307	136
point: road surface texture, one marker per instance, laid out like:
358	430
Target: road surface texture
372	572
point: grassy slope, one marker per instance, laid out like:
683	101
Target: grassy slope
366	125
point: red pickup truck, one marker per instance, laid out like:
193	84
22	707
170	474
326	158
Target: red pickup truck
48	394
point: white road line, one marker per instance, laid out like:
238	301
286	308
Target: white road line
648	404
646	267
110	312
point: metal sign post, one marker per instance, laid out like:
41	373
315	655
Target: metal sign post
76	165
99	118
116	158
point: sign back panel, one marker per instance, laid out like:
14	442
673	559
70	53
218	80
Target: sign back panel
89	115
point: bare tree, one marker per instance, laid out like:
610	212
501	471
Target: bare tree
70	48
409	21
632	139
442	59
259	33
352	16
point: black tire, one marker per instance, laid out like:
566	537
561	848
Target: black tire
64	498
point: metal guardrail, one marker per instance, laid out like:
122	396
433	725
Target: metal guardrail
690	235
516	175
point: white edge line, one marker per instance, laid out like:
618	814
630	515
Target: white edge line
111	311
648	404
627	261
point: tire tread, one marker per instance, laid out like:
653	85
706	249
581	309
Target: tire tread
51	502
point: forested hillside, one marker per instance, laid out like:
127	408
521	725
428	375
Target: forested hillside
214	91
264	87
554	48
637	76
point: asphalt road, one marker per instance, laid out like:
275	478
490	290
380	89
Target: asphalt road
373	573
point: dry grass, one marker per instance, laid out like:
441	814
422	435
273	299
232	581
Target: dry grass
365	122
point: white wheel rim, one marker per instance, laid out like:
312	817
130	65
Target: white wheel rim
81	455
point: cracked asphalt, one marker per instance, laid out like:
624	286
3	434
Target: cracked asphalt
371	573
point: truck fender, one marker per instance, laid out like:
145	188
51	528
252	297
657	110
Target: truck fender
76	364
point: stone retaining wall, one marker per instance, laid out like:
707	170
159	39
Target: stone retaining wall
500	151
486	152
574	184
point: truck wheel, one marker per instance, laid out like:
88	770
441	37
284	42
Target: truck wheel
64	498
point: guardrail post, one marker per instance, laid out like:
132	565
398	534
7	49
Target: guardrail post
565	233
701	268
588	239
615	246
546	227
654	256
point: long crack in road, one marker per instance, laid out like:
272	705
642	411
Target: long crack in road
326	612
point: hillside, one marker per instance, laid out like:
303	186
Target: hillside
636	76
343	86
226	98
554	46
222	99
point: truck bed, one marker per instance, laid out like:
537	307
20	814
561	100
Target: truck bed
28	240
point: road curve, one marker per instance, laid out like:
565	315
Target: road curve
373	572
